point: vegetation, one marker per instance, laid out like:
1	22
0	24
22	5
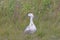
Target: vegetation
14	19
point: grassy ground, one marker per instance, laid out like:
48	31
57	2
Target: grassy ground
14	19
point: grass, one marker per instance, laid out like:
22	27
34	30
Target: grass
14	19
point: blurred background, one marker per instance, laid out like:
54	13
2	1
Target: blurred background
14	19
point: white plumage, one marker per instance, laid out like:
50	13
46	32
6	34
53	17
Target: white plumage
31	28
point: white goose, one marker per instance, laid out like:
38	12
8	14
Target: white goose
31	28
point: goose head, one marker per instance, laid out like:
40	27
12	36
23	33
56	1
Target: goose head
31	15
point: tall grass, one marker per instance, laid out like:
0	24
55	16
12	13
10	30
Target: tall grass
14	19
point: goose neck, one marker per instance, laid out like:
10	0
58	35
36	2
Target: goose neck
31	20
